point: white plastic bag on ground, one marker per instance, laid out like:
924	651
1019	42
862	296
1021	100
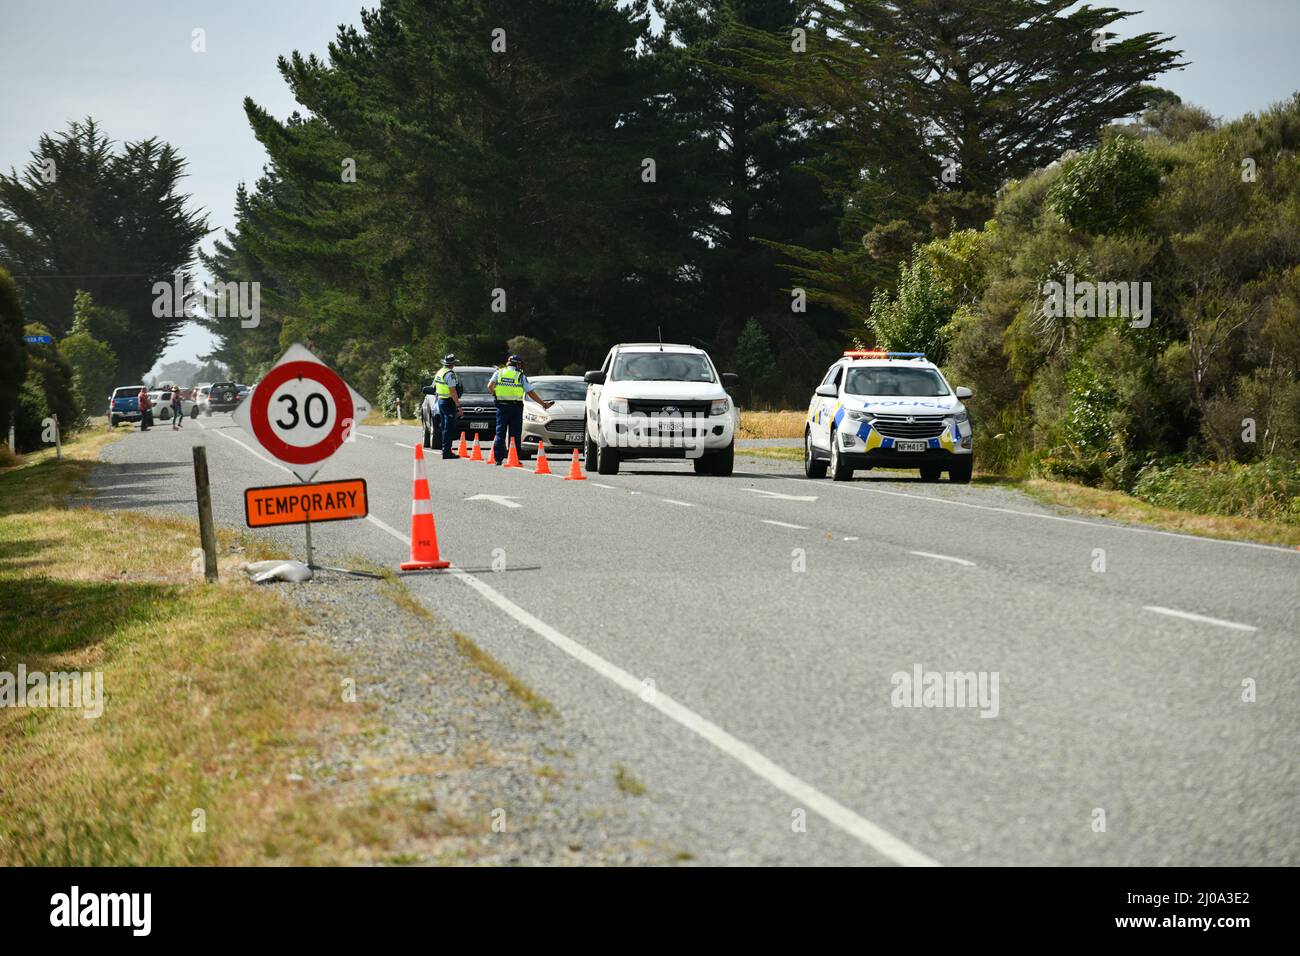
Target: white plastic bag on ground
263	571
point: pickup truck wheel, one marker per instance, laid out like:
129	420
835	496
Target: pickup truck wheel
589	452
960	472
427	438
112	421
839	470
702	464
812	466
606	460
724	462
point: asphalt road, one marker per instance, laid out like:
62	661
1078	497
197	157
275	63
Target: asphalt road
735	641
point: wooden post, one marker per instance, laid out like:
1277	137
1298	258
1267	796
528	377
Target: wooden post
58	441
207	531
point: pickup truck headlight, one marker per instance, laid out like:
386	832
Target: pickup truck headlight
719	406
619	405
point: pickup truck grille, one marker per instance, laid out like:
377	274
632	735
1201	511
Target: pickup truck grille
657	407
899	426
566	425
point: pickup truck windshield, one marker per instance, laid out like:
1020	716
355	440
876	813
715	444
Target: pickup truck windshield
661	367
895	381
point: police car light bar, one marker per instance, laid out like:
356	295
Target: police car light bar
871	353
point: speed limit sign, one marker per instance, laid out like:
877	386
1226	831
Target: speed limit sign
301	412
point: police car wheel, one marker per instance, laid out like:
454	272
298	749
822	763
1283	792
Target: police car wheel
931	473
839	470
812	466
960	473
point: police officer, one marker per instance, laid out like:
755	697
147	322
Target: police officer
447	390
508	386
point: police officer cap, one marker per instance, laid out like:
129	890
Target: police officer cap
449	359
516	361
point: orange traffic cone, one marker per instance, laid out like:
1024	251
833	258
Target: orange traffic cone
512	457
462	451
543	466
478	452
424	537
575	469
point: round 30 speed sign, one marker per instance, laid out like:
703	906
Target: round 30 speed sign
301	412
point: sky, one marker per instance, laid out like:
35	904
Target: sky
130	64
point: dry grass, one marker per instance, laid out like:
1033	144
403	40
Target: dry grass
214	697
1118	506
772	424
376	417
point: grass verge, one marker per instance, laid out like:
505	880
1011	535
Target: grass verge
214	697
787	424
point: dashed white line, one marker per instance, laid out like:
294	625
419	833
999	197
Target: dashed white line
1200	618
402	445
674	501
806	794
785	524
853	538
943	557
597	484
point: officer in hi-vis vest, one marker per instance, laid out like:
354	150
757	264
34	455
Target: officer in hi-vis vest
447	389
508	386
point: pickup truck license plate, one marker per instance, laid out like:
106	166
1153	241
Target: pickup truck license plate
910	445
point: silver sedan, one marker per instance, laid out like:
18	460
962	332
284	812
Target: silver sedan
563	426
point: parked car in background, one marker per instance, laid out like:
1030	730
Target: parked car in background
478	411
162	403
222	397
124	405
561	427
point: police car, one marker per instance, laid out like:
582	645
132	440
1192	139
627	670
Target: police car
887	410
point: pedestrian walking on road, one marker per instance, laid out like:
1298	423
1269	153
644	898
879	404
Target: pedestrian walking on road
146	409
508	386
447	389
178	410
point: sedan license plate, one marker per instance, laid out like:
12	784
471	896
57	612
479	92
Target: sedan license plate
910	445
477	426
573	438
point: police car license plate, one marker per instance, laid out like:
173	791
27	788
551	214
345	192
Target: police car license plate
573	438
478	425
910	445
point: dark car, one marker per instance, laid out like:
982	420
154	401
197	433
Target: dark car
222	397
478	410
124	405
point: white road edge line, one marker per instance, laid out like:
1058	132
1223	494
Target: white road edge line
1031	514
860	828
832	810
1189	616
943	557
785	524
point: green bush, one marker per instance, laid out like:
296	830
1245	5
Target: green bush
1106	190
1268	489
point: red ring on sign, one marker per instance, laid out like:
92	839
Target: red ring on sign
259	415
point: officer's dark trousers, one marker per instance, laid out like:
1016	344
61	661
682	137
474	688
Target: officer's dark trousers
446	422
510	424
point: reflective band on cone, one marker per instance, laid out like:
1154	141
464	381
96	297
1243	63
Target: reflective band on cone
424	537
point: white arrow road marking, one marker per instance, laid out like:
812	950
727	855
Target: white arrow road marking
777	494
1189	616
860	828
503	500
943	557
785	524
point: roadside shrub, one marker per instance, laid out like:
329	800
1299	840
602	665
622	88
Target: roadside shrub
1107	189
1268	489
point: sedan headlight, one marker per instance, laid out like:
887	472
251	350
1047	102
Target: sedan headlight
719	407
538	417
619	405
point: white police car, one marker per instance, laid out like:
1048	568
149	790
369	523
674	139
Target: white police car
887	410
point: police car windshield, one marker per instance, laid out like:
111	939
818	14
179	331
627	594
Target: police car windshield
897	381
561	391
473	382
661	367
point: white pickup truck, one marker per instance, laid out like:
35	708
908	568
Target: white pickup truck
651	400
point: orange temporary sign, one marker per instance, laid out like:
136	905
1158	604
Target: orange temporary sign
298	504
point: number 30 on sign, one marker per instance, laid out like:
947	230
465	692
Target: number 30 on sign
301	412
